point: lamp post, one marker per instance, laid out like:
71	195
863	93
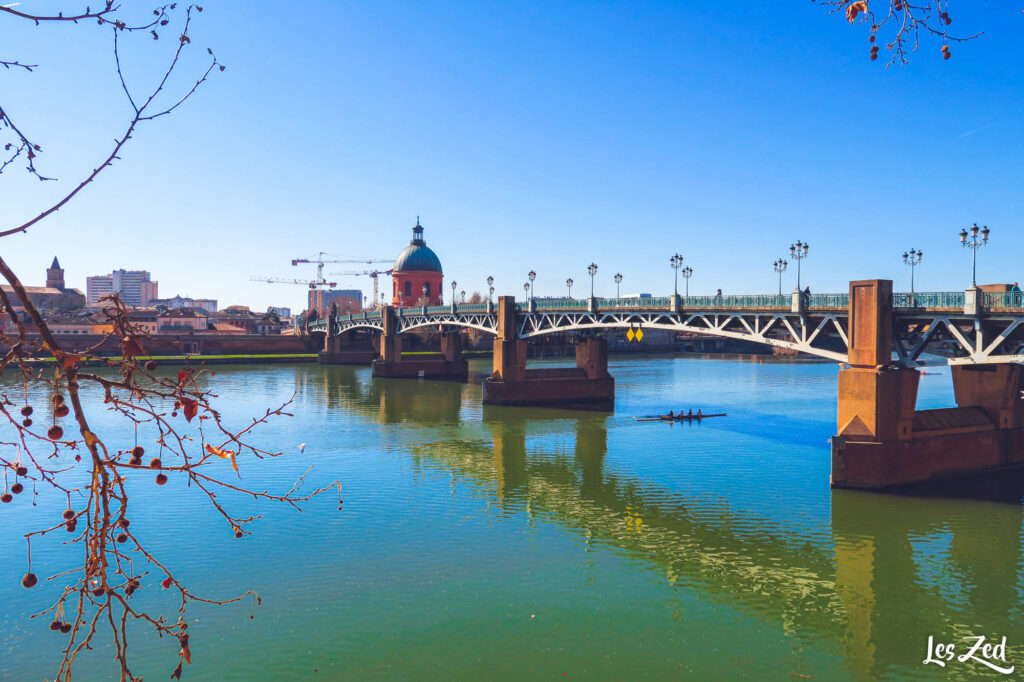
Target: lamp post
425	290
568	283
526	290
911	259
490	288
462	294
780	266
676	262
618	281
453	290
532	275
798	252
687	274
974	244
592	270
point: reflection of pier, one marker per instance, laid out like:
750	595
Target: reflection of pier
886	573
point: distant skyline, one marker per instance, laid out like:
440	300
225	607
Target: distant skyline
538	137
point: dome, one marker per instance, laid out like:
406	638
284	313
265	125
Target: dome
417	256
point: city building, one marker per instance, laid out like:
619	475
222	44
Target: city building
55	296
417	275
241	317
348	300
181	321
133	287
281	312
178	301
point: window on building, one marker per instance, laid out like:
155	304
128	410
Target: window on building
408	288
426	289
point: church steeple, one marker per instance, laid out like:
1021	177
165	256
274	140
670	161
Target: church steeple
55	275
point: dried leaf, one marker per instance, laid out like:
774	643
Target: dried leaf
130	347
855	8
183	376
68	361
176	675
223	454
189	407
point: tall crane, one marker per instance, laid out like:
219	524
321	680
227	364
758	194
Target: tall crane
369	273
320	260
312	284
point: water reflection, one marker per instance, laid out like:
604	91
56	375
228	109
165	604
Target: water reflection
871	584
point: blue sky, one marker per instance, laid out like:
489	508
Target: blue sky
531	135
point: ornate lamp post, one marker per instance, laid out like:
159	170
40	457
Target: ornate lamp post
425	290
676	262
532	275
462	294
453	290
974	243
526	290
568	283
780	266
687	274
911	259
490	288
592	270
618	281
798	252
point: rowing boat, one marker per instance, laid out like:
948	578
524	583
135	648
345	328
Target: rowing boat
680	417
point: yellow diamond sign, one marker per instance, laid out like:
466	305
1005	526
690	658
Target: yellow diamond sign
629	334
639	334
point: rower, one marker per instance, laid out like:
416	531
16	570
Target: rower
690	413
700	414
670	414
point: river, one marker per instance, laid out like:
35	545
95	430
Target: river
513	544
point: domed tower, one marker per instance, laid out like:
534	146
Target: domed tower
417	275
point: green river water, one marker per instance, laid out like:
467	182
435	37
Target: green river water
485	543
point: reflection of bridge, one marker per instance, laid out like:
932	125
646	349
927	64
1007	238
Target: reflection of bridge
870	583
881	439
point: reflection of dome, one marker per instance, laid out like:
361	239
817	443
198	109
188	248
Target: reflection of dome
417	257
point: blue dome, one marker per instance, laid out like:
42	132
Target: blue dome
417	256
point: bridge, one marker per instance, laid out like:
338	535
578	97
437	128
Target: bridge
880	339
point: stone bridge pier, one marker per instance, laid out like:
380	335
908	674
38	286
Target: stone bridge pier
586	386
349	349
448	364
882	441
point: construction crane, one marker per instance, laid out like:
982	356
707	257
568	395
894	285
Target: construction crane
369	273
312	284
320	260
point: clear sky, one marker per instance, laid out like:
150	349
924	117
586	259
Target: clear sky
526	135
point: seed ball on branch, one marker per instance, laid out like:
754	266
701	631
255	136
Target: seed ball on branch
150	365
26	411
22	471
72	526
61	411
123	522
26	422
238	532
54	432
58	399
69	514
17	488
29	580
6	497
65	628
161	479
138	451
55	625
122	537
99	591
155	463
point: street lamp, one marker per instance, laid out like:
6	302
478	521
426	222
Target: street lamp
490	288
532	275
592	270
798	252
676	262
463	295
618	281
974	244
568	283
426	288
911	259
780	266
453	290
687	274
526	290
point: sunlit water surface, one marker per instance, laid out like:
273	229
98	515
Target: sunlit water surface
510	543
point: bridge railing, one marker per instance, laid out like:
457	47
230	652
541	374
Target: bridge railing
560	304
953	300
828	301
739	301
471	307
634	303
1003	300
